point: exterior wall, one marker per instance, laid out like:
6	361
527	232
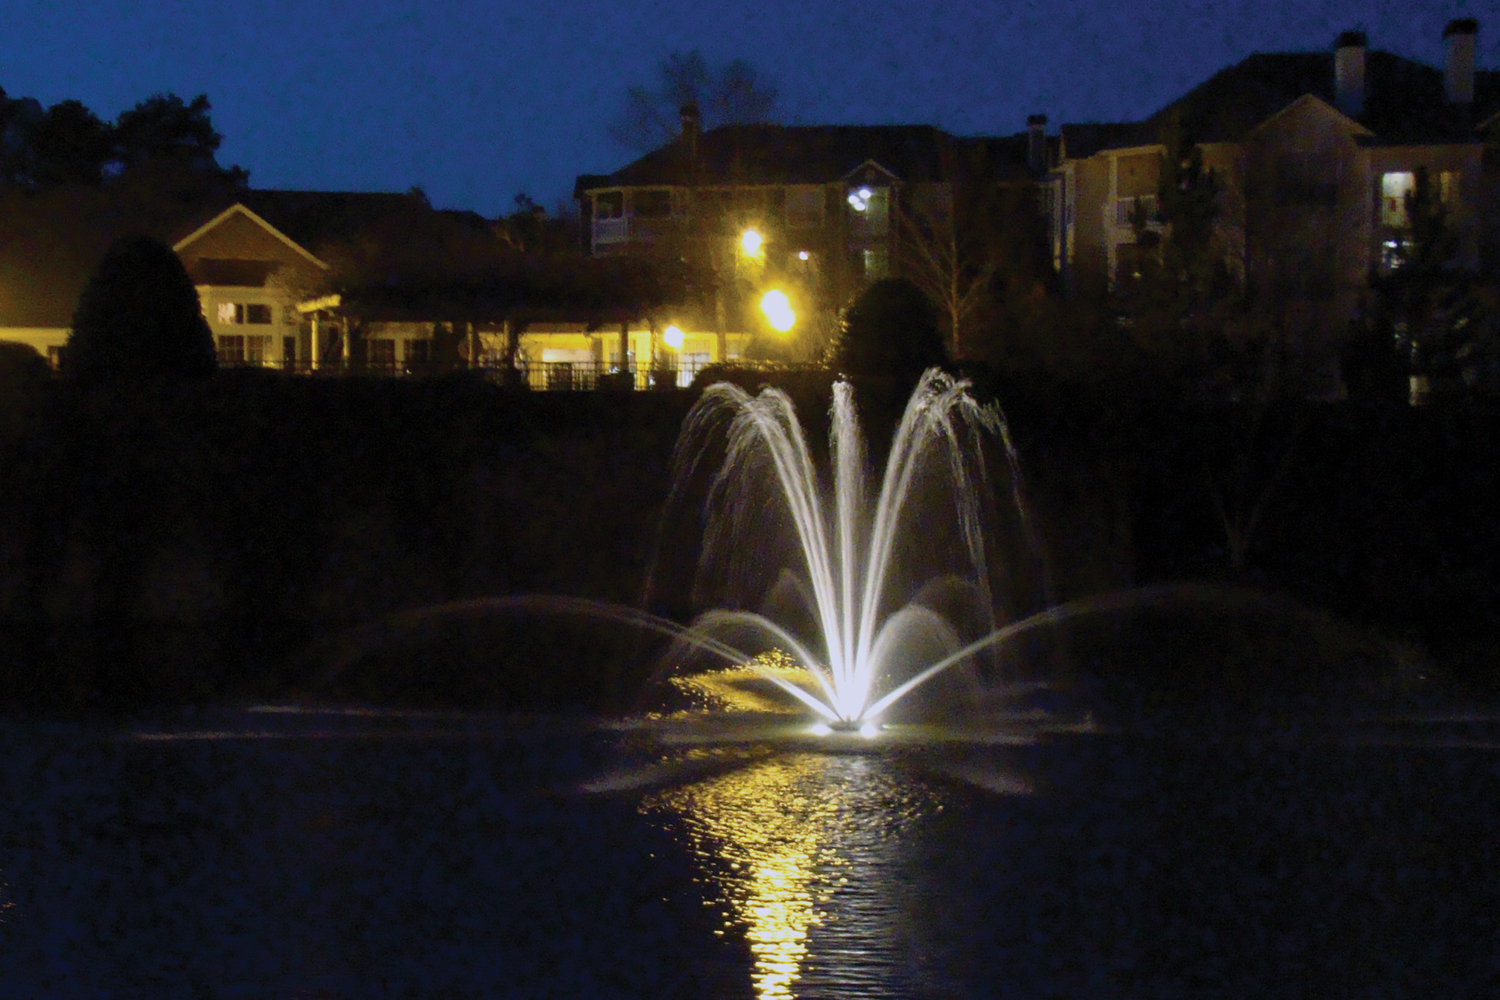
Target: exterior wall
47	341
1092	251
240	237
283	323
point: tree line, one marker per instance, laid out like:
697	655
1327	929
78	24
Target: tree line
69	144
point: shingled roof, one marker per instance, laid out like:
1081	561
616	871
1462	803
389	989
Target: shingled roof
1404	101
785	154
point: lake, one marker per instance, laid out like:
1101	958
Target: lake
274	853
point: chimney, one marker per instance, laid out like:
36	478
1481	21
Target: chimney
1036	144
1458	70
1349	73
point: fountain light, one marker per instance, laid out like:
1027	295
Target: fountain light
869	729
820	729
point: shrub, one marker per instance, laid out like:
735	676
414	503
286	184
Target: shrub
139	317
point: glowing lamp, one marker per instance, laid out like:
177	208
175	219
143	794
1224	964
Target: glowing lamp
672	337
750	243
778	310
868	730
803	255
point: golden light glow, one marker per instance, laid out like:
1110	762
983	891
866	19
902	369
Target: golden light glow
751	243
672	337
792	829
778	310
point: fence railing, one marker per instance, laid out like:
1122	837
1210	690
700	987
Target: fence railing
541	376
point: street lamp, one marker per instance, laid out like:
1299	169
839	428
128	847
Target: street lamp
778	310
672	336
751	243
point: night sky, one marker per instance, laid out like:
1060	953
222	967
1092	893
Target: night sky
477	101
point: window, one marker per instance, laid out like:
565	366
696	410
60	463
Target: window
418	352
875	264
609	205
382	352
869	210
804	207
1125	209
1394	189
258	348
231	348
653	203
1448	182
235	313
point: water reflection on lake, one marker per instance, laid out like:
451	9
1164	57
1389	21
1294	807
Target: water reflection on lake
797	840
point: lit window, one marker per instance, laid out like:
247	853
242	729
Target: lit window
1394	188
236	313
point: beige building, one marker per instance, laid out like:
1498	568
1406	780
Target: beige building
1314	153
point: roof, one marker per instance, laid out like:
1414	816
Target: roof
1404	101
315	219
786	154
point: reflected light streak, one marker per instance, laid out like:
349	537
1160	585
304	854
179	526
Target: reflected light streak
780	835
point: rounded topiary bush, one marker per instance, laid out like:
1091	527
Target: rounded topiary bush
892	329
139	317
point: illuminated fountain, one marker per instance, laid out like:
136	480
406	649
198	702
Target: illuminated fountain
871	594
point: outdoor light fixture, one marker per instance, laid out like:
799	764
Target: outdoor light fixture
860	200
778	310
672	337
750	243
802	255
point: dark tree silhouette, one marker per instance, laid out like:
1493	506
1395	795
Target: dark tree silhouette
139	317
892	329
162	133
731	95
70	145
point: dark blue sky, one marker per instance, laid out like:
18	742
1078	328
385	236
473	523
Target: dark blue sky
476	101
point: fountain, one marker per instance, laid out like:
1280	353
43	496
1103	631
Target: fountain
877	594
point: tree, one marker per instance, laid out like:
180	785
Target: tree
531	230
1425	307
139	317
70	145
733	94
162	134
891	329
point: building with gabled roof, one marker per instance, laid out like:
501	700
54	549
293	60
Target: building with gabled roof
1314	153
814	210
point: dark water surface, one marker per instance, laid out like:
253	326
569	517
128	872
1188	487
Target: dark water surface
264	854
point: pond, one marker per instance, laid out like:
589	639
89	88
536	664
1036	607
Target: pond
268	852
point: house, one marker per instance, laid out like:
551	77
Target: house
1314	153
810	213
322	281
